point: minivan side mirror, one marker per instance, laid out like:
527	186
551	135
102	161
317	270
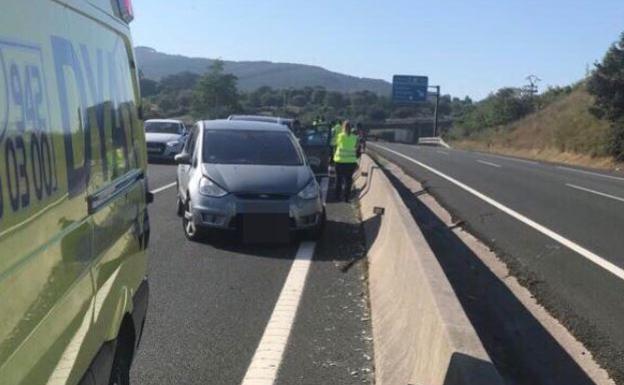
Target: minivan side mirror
183	158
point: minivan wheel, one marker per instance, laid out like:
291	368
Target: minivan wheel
191	230
315	233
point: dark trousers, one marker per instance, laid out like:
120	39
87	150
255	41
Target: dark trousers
344	176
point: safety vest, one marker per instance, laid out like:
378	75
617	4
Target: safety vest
346	148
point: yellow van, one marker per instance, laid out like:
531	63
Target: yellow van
73	193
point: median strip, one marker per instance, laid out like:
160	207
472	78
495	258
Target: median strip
268	357
421	333
603	263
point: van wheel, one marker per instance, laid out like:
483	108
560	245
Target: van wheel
120	374
191	230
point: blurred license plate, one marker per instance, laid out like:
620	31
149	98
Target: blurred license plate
153	149
266	228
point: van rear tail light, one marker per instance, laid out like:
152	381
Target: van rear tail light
126	10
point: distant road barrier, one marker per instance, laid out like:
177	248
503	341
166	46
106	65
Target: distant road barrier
420	331
433	141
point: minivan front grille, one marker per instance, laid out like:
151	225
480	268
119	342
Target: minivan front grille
263	197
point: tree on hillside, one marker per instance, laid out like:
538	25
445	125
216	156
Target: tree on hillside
334	100
148	87
215	94
178	82
607	86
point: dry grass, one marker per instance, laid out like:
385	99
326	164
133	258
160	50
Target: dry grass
563	132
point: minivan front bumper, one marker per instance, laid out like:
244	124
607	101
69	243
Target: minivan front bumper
225	212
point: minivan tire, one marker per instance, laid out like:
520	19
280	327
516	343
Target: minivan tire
192	232
315	233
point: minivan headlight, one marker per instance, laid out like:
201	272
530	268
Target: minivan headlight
173	143
210	188
310	191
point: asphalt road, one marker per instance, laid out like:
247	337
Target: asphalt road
559	229
211	303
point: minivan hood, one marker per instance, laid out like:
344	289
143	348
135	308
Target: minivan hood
258	178
157	137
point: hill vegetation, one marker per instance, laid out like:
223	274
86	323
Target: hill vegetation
216	95
581	124
255	74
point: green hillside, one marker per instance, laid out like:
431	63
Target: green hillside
255	74
565	131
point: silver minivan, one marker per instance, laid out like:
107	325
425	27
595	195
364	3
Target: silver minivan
251	177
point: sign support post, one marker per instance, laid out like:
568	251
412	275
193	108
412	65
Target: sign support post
435	114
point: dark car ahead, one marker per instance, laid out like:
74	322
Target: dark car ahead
247	176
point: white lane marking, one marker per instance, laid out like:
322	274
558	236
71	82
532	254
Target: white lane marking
610	267
489	163
442	152
531	162
595	192
163	188
590	173
268	357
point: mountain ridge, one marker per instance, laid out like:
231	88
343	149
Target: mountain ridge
255	74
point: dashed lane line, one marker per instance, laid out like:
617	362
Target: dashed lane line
489	163
163	188
590	173
595	192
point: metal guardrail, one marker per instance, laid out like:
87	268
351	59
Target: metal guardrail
433	141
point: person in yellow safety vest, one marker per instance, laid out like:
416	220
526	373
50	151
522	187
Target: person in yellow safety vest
333	135
346	160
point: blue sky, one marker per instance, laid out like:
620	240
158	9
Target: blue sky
469	47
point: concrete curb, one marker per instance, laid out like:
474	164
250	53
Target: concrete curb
421	334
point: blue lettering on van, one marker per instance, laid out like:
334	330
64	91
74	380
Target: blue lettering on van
96	100
30	172
12	173
4	107
100	112
17	97
65	58
96	88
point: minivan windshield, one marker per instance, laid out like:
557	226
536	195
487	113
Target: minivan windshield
163	128
250	147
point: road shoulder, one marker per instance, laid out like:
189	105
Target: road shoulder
331	339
